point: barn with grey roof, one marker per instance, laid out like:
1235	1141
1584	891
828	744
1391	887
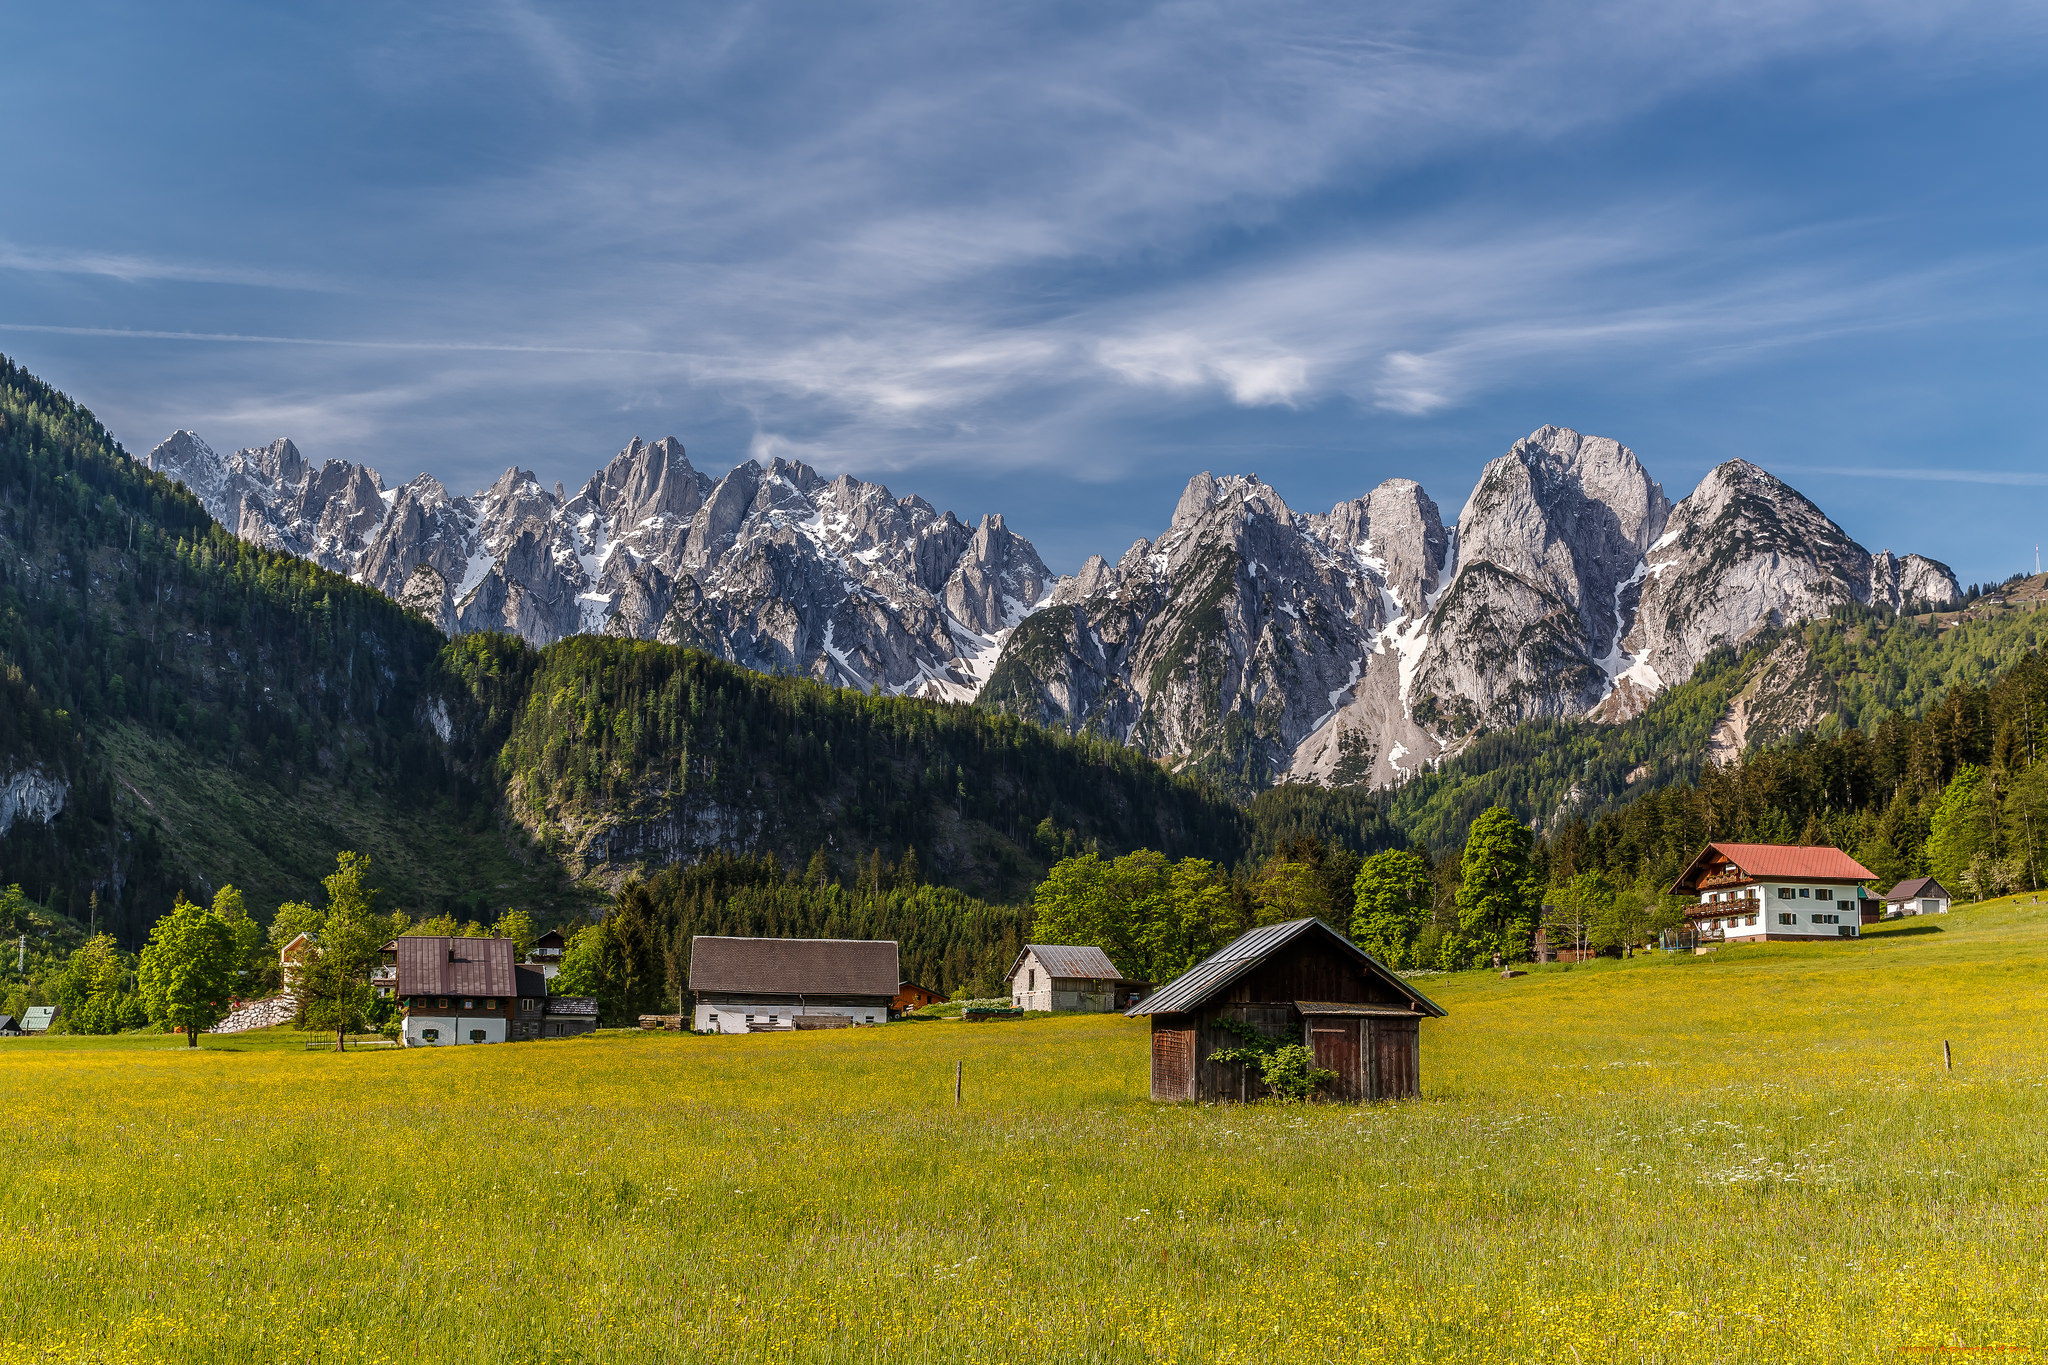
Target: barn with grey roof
1298	982
1065	976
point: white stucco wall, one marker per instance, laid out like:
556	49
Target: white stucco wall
733	1018
1771	905
453	1030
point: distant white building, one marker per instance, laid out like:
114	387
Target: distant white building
1757	893
1062	976
1919	896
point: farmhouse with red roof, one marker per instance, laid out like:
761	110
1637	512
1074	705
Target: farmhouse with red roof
1757	893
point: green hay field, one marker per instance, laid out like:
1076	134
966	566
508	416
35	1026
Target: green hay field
1755	1156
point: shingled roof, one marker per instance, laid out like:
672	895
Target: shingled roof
429	964
794	966
1916	888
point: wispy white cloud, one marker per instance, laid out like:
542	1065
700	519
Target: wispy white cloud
901	235
134	269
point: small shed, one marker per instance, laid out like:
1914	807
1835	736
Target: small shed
1068	976
569	1015
8	1027
911	996
38	1018
1918	896
1302	981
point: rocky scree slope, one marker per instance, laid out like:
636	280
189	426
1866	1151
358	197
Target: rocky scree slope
772	567
1363	645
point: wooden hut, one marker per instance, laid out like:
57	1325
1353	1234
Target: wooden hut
1303	981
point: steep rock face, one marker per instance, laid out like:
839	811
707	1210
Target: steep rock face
1352	646
1221	645
1746	551
773	567
1380	641
1549	545
787	572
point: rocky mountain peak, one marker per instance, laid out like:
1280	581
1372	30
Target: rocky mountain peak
771	565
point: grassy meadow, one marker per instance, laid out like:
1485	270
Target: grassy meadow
1752	1156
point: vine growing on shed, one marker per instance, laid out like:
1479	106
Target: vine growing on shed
1288	1069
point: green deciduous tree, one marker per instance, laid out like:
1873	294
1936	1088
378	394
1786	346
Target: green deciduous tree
1498	892
1390	904
189	969
518	926
91	993
596	964
1575	912
1154	917
333	981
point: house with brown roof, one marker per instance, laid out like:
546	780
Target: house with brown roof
1918	896
1774	893
458	990
759	985
1065	976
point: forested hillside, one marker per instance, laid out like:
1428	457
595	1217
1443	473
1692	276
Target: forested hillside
623	754
1960	792
184	710
1852	668
192	710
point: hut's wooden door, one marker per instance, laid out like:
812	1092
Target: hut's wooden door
1335	1042
1396	1064
1173	1057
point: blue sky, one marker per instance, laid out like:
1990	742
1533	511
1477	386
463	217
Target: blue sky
1052	260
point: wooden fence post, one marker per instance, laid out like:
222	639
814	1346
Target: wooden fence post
1947	1063
956	1084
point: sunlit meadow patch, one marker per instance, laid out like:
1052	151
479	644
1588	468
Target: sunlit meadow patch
1741	1159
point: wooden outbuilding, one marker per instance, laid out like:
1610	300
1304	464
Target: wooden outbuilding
1301	981
1070	976
911	996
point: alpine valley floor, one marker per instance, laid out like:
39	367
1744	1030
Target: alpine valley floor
1753	1156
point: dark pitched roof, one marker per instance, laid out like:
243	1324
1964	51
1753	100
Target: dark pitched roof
533	982
1916	888
1071	961
551	939
1234	959
6	1023
582	1005
794	966
1816	862
433	965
